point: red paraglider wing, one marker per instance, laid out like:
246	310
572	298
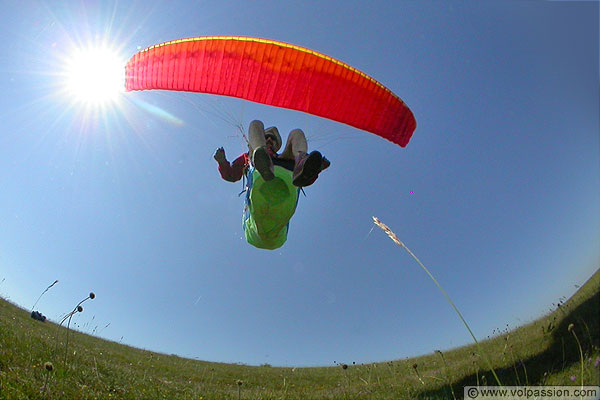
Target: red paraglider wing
277	74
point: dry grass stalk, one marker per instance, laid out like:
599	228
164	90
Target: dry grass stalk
393	236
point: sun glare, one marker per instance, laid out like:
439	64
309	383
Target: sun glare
95	76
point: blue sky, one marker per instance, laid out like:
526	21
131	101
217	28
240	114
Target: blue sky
498	192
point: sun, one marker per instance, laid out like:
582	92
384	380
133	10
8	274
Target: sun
94	76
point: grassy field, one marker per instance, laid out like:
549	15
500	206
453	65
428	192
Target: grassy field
36	362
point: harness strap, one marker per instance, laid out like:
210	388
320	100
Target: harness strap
244	185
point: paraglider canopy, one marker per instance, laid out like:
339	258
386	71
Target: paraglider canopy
277	74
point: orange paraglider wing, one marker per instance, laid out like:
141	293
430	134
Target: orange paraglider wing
273	73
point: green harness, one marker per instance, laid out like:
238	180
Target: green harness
269	208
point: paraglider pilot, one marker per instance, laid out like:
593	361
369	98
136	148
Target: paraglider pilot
274	181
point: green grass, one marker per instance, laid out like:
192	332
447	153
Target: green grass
543	352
